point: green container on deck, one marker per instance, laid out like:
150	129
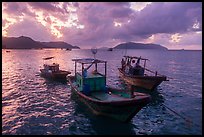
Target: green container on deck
95	83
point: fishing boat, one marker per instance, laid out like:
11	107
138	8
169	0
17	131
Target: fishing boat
110	49
52	71
91	89
139	76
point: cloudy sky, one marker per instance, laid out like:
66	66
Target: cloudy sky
175	25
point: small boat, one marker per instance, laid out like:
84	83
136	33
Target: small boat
8	51
69	49
139	76
52	71
91	89
110	49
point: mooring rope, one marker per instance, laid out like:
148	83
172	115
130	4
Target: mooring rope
187	120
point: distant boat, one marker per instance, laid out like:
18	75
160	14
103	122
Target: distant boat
8	51
69	49
138	76
91	89
52	71
110	49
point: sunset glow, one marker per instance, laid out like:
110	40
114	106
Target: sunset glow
117	24
159	22
9	22
175	38
102	68
138	6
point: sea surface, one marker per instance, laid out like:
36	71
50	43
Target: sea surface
32	105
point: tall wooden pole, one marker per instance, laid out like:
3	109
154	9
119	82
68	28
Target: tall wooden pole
144	64
82	69
75	69
105	71
96	67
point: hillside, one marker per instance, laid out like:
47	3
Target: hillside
58	44
23	42
20	43
132	45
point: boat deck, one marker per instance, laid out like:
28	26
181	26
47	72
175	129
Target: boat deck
106	97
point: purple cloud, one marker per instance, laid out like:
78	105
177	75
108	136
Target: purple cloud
14	8
29	25
48	6
166	18
99	18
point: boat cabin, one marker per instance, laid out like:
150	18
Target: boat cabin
54	67
132	66
87	81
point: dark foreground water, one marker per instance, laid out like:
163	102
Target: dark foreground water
33	105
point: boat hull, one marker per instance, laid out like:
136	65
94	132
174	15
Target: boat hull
61	75
147	82
123	110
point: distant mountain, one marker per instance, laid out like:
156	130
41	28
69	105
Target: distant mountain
132	45
20	43
58	44
23	42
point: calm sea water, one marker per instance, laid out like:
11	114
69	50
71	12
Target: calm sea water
34	105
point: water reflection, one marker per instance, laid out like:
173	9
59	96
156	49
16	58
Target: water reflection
34	105
45	110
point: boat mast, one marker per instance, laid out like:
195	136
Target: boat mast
96	67
144	64
105	71
75	69
82	68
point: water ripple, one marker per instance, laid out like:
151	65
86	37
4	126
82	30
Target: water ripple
32	105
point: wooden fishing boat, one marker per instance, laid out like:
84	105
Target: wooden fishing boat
140	76
110	49
52	71
91	89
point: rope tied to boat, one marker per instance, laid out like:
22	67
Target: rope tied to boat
188	121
